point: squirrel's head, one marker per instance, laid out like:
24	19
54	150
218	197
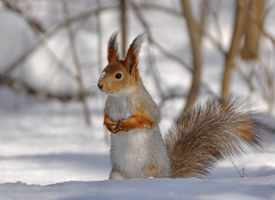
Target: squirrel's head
121	75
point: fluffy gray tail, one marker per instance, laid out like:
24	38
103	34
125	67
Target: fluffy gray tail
210	132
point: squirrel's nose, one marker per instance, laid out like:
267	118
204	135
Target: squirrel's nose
100	85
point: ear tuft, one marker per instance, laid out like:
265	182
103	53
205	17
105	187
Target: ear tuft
137	43
113	48
131	59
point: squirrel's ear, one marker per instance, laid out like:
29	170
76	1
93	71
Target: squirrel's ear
131	59
113	48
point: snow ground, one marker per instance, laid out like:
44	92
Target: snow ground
61	158
245	189
47	151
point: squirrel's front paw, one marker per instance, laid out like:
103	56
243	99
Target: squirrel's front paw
112	126
122	126
115	127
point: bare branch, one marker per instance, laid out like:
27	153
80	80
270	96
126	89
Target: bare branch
247	79
77	64
195	35
181	14
58	61
99	38
253	31
161	48
21	86
161	8
270	85
48	35
239	25
32	22
152	41
124	26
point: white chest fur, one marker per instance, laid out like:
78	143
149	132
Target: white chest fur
118	108
132	151
128	150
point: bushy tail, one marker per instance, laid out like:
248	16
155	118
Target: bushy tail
210	132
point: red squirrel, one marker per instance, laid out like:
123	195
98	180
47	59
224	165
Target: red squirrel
206	134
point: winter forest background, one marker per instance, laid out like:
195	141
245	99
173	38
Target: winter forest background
52	141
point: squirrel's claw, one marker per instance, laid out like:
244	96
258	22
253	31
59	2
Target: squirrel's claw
115	127
121	126
111	126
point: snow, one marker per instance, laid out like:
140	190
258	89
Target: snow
61	158
48	152
246	188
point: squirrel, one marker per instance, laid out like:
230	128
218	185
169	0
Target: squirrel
218	129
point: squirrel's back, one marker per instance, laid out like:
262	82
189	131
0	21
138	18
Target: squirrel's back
210	132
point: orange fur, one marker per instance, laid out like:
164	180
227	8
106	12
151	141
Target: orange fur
131	59
131	62
247	131
110	125
138	120
128	67
151	170
111	84
194	144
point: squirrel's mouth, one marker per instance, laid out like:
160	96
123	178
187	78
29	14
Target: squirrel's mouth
110	93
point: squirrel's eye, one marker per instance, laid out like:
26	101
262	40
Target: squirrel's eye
118	76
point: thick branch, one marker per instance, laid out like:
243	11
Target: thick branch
253	30
240	19
195	38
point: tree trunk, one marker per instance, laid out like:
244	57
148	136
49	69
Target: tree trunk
240	19
195	32
253	30
195	36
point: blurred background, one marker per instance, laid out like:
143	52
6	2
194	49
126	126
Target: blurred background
52	53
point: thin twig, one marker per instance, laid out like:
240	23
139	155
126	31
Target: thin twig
161	48
99	38
58	61
156	7
32	22
181	14
247	79
218	43
195	34
150	40
151	63
171	96
270	84
48	35
77	64
123	26
21	86
99	58
237	169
